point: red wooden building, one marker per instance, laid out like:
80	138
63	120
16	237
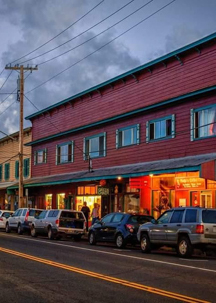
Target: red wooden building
142	141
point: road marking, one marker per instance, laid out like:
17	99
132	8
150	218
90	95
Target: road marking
143	259
105	278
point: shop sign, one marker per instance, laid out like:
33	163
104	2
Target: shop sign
103	191
182	183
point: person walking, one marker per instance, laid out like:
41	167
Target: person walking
95	213
85	209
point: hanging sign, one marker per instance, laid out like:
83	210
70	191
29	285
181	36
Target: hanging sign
103	191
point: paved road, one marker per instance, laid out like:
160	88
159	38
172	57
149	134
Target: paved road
39	270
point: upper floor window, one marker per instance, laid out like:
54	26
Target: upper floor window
159	129
203	122
64	153
7	171
26	163
40	156
95	146
127	136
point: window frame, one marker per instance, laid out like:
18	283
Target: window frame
194	128
44	150
58	157
26	167
7	171
87	154
136	140
153	122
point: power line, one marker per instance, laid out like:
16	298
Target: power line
102	32
8	96
88	29
7	107
6	80
59	33
101	47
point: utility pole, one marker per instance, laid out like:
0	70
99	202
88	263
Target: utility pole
21	68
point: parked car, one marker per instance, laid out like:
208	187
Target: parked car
120	228
55	223
21	219
183	228
4	215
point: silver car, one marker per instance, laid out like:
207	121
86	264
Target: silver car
183	228
4	215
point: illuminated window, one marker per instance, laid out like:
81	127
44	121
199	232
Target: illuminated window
60	201
48	201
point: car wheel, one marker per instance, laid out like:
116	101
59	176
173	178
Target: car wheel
145	244
50	233
33	232
120	242
7	228
184	248
19	229
92	238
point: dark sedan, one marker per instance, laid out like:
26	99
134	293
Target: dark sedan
120	228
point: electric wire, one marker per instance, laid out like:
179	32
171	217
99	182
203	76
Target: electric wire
95	36
80	34
104	45
6	79
7	108
59	33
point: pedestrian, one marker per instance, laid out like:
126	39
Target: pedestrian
85	209
95	213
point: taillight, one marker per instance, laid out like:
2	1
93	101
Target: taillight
57	222
199	229
1	219
26	216
130	227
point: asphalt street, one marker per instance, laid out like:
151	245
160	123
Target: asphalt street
40	270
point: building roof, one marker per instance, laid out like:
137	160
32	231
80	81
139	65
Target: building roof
16	134
189	163
175	54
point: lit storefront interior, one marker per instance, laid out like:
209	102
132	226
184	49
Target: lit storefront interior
88	194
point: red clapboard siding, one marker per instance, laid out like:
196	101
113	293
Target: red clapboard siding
198	71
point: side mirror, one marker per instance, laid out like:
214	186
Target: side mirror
153	221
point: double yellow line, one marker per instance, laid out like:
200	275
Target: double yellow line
105	278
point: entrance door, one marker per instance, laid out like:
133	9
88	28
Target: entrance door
206	199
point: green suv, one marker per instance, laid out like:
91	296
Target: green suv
183	228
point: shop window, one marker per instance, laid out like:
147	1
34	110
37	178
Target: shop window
48	201
127	136
163	128
64	153
60	201
203	122
95	146
40	156
131	203
7	171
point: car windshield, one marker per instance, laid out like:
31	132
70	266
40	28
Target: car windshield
209	216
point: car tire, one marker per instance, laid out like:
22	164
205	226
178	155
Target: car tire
33	232
92	238
184	248
145	244
119	241
7	228
50	233
19	229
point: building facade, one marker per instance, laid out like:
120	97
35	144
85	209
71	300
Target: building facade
9	167
144	141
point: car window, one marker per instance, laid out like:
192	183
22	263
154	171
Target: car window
24	212
107	218
140	219
191	215
117	218
19	212
53	213
209	216
42	215
177	216
16	212
165	217
6	215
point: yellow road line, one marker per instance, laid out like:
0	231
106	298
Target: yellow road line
105	278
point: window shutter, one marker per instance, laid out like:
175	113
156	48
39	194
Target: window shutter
45	155
173	126
26	168
72	151
0	172
56	154
117	139
17	169
104	144
35	157
138	134
191	124
84	149
147	131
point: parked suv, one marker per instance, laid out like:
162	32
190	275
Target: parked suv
184	228
119	228
57	222
21	219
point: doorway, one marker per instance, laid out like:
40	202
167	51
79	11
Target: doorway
206	199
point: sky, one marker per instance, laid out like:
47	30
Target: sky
25	25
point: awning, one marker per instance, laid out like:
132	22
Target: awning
190	163
5	185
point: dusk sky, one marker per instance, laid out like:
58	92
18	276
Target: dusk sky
27	24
